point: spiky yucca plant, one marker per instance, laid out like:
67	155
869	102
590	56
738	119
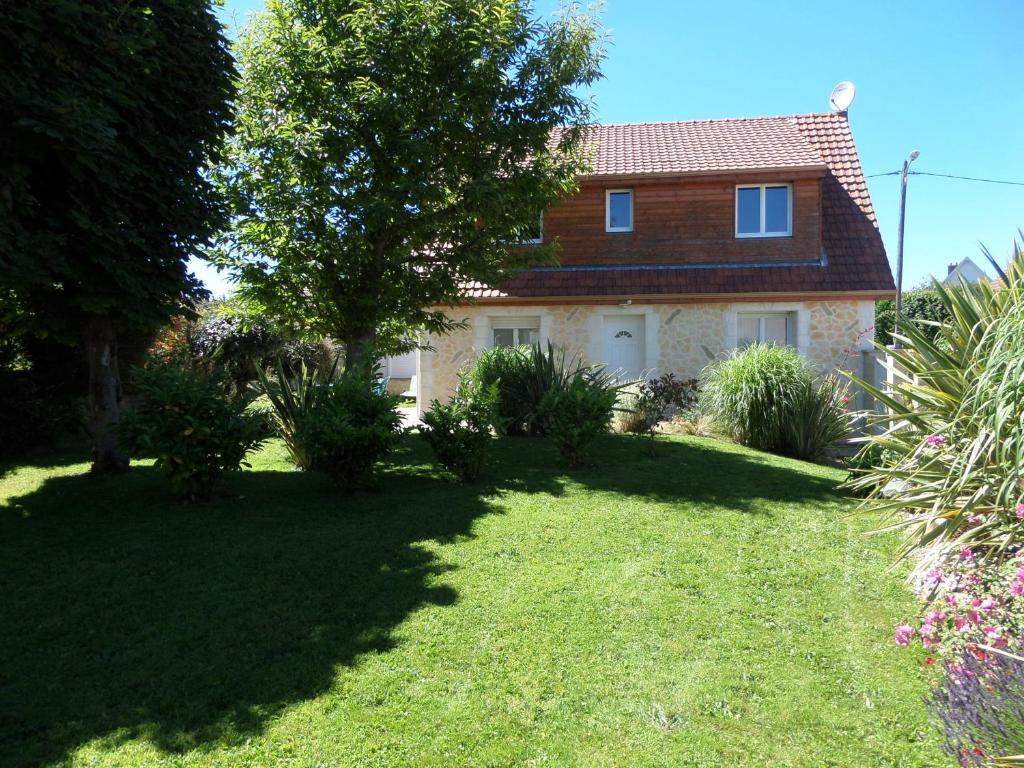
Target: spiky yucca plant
956	423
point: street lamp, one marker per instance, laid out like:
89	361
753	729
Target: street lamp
899	246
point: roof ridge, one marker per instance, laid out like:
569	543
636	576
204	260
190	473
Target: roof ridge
714	120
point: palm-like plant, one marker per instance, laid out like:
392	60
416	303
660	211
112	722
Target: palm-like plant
956	421
293	400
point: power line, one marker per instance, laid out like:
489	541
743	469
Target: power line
950	176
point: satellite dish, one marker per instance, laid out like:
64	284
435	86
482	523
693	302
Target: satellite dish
842	96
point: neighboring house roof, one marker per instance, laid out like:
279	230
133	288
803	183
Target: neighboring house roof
966	271
853	258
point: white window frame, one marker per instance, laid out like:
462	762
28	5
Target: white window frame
608	210
540	230
791	325
515	324
763	199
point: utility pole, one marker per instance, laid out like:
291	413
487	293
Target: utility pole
899	245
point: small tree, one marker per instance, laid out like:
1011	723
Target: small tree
109	113
387	151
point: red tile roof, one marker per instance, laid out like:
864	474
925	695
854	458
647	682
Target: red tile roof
853	257
699	146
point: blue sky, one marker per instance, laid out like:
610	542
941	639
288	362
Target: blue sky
941	77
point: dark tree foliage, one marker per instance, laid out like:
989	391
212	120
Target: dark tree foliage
917	306
110	110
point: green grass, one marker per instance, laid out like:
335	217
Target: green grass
707	606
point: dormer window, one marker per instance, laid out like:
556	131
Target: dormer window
533	235
618	210
764	210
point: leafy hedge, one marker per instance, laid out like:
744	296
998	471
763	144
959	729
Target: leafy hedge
918	306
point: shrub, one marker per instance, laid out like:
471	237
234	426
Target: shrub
352	426
956	427
524	376
973	624
750	393
980	707
971	604
293	401
460	432
922	308
577	413
196	432
643	406
509	369
816	419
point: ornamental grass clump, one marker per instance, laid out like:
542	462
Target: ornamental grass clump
751	391
955	427
768	397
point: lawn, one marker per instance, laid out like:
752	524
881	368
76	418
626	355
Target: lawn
704	606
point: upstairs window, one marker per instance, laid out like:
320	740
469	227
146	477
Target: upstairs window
533	235
764	210
515	331
618	210
771	328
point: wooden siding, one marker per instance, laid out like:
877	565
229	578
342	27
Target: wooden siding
682	220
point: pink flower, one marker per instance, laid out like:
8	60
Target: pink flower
967	554
935	617
1017	588
988	605
903	634
991	632
936	440
952	601
974	520
1020	511
960	624
928	641
1020	573
974	616
933	577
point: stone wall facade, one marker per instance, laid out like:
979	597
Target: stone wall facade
678	338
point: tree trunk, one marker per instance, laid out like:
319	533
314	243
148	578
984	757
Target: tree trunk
361	349
104	395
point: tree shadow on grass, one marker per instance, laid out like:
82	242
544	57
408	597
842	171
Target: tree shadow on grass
127	615
691	473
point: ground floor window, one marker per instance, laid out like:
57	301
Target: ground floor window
513	331
771	327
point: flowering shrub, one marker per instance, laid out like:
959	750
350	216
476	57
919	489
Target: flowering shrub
973	626
975	607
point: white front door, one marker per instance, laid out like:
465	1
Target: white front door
624	345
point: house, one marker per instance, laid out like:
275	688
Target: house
966	271
686	240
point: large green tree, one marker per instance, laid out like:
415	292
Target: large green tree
110	111
387	151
